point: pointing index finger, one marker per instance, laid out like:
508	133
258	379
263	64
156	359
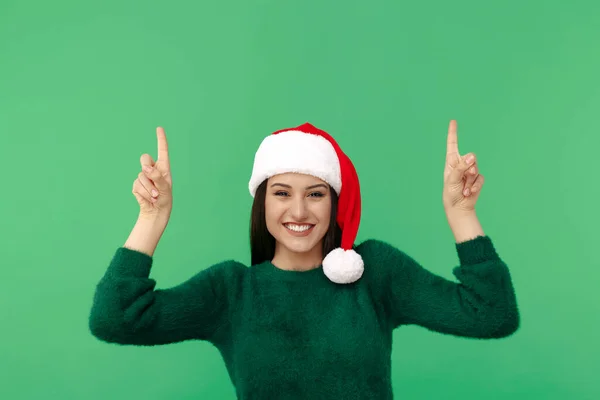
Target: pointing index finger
163	148
452	142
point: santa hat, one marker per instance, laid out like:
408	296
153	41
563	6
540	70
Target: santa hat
309	150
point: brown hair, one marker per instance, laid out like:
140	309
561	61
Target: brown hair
262	243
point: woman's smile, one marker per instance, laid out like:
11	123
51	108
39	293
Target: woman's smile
299	230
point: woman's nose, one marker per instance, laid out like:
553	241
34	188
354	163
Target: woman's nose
299	209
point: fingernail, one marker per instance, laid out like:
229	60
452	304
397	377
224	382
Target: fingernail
147	168
154	193
469	159
466	192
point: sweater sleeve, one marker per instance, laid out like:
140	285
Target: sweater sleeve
128	309
482	304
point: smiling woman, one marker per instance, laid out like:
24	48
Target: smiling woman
312	317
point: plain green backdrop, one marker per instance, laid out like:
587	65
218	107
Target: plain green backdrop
83	86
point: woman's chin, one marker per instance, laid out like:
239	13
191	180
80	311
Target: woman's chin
299	244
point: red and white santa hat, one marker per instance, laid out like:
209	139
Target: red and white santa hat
312	151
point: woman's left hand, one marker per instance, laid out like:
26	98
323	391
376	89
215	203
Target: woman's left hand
462	180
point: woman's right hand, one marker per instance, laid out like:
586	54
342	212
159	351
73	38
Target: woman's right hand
155	176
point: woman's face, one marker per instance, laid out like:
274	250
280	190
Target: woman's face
294	202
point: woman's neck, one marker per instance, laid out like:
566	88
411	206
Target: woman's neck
288	260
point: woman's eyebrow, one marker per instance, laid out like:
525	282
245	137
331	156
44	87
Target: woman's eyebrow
307	188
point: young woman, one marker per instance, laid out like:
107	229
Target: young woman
313	315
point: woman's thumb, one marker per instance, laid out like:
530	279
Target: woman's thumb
459	170
157	177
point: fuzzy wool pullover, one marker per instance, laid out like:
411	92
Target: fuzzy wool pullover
297	335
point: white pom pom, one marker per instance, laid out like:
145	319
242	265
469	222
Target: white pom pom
343	266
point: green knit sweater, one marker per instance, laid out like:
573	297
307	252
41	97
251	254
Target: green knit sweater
297	335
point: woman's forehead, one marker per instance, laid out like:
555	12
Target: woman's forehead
292	178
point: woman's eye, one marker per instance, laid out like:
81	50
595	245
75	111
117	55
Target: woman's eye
318	194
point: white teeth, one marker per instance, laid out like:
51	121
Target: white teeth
298	228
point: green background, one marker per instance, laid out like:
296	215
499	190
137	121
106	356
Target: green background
83	87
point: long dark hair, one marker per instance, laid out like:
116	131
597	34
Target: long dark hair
262	243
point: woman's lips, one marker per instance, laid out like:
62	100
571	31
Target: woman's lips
299	234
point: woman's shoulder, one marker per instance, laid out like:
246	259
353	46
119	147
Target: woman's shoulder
379	257
227	270
383	259
228	266
377	249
